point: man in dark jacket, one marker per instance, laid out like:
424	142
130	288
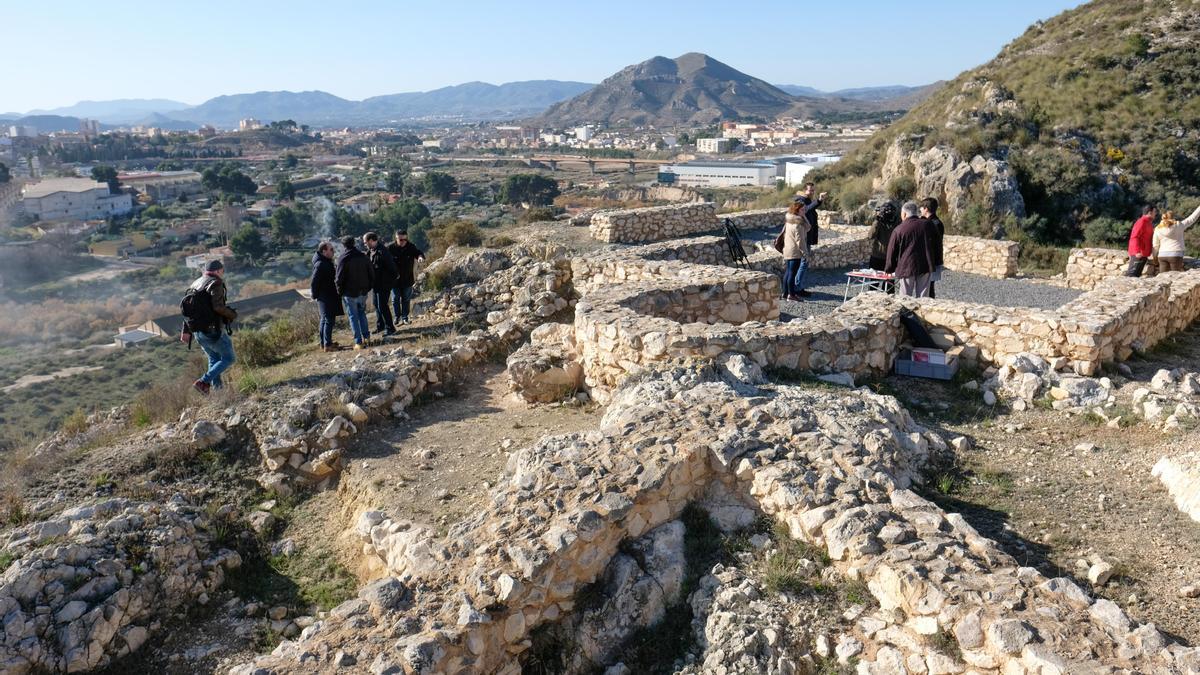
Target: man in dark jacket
811	202
406	255
910	255
214	339
323	289
929	207
384	267
354	278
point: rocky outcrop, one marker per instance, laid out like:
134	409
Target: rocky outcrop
955	181
94	583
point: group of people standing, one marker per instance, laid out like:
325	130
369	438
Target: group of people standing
385	272
1160	248
907	244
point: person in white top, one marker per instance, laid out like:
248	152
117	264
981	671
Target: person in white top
1168	241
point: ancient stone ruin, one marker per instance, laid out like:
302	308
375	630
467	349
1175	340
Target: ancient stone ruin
698	377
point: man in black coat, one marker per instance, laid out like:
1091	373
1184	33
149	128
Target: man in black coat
929	207
406	255
354	279
384	267
323	289
910	254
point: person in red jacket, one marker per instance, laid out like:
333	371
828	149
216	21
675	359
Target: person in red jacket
1141	242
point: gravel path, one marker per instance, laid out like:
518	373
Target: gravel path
828	286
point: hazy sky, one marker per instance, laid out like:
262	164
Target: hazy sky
63	51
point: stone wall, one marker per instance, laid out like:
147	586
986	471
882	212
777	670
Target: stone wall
1087	267
656	223
985	257
1117	318
761	219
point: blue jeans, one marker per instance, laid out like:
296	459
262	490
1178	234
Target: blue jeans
383	313
325	331
220	356
793	274
356	311
401	302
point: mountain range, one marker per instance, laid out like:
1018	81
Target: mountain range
694	87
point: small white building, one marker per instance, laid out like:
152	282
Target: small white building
795	172
73	199
715	146
719	174
584	133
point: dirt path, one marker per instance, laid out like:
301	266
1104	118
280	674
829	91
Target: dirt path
436	468
1030	483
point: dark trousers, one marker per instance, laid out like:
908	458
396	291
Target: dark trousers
383	314
401	301
1136	265
325	330
793	274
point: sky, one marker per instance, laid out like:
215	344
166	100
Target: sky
190	51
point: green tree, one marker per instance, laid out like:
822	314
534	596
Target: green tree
5	175
528	188
402	215
286	225
247	243
291	161
439	185
228	178
395	182
155	212
107	174
285	189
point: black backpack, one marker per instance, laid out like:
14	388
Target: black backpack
197	310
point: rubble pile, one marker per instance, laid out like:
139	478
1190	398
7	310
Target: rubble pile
836	469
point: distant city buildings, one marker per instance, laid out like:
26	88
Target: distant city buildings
164	186
73	199
714	146
249	124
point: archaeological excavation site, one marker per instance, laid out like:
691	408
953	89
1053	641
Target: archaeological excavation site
610	447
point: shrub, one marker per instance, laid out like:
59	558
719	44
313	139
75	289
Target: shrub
75	423
537	215
902	188
1105	230
274	342
161	402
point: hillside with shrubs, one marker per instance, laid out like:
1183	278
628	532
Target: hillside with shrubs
1093	113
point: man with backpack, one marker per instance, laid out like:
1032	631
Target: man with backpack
207	318
354	278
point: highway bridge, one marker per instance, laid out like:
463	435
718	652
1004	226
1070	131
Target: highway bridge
552	162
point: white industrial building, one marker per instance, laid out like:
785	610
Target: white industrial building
719	174
796	171
73	199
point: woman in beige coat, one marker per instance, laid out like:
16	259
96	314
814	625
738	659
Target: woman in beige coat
1168	244
795	250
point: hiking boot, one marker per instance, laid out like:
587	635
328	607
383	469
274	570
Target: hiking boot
405	321
390	333
202	386
803	293
331	348
794	298
358	346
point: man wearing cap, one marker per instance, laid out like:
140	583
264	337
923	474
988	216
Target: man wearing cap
215	340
